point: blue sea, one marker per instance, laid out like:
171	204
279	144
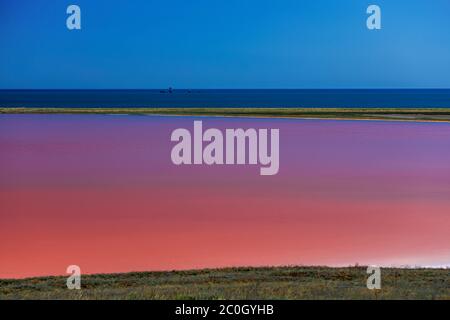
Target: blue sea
163	98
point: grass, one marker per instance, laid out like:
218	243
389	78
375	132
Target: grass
240	283
406	114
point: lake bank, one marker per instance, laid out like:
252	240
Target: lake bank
295	282
395	114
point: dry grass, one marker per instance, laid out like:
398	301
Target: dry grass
240	283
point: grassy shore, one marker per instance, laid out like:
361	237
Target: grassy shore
240	283
404	114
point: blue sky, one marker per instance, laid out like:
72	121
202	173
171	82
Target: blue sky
224	44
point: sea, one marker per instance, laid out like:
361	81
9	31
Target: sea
221	98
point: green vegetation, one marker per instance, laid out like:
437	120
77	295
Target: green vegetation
405	114
240	283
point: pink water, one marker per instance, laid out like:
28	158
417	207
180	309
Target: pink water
101	192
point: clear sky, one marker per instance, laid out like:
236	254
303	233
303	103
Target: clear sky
225	44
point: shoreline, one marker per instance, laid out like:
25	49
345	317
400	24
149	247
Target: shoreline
380	114
230	268
282	282
293	117
438	115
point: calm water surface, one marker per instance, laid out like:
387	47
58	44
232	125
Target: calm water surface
101	192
